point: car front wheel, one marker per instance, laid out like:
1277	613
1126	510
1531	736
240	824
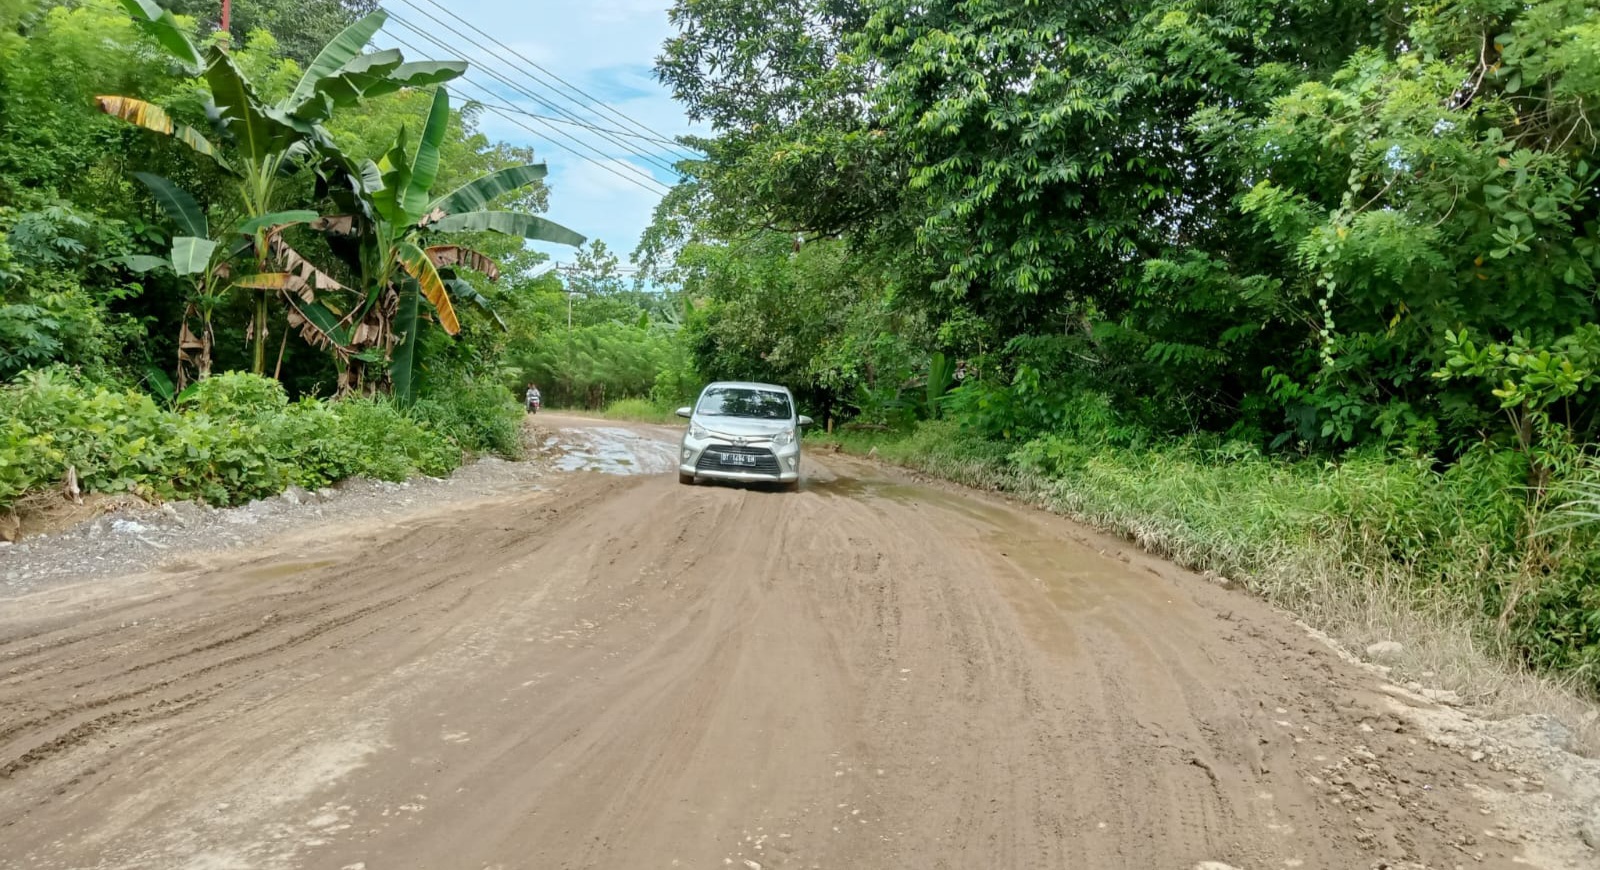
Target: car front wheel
686	479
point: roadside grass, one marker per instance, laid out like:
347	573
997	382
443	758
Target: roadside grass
637	411
1374	547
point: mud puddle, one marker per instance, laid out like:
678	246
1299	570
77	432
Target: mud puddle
611	450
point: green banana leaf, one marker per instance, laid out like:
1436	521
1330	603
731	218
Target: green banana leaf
402	362
336	56
347	86
277	218
259	135
389	200
163	27
417	74
177	203
462	289
510	223
142	263
190	255
476	195
425	163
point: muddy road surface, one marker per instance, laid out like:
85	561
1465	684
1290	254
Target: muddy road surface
618	671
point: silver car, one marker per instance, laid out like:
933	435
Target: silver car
742	431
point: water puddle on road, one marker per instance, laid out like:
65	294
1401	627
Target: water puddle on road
612	451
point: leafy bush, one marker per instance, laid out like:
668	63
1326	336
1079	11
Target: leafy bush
233	438
235	394
481	415
116	441
385	444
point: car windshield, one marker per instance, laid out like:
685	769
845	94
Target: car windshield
745	402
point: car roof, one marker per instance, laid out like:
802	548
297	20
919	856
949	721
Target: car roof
749	385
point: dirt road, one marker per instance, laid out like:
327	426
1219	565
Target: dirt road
622	672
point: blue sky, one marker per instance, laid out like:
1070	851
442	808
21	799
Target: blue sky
604	47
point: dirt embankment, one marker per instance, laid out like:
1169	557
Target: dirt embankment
622	671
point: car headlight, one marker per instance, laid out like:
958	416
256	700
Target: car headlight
698	432
783	439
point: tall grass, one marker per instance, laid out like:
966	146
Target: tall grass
640	411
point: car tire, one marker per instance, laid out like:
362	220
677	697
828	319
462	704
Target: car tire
789	486
686	479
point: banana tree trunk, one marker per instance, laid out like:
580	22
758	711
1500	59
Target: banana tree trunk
194	350
258	334
402	360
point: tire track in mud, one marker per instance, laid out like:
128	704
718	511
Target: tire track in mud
629	672
330	602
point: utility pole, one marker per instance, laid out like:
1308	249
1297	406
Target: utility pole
227	9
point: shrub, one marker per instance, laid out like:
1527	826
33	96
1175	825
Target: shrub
480	415
234	394
385	444
234	437
115	440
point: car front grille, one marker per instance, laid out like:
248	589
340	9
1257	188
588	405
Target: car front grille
711	459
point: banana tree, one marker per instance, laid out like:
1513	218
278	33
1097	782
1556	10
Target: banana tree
268	140
393	217
204	262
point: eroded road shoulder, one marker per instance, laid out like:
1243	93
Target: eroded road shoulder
622	671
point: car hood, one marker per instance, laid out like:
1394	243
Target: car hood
744	426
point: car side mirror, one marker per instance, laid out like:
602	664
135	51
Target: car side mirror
806	421
685	412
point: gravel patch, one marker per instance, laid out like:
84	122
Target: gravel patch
133	540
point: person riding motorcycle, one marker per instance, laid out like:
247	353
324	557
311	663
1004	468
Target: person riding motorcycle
533	398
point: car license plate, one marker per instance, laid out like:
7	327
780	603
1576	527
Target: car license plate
737	459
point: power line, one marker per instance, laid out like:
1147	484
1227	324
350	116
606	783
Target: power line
515	86
507	107
448	48
638	180
596	101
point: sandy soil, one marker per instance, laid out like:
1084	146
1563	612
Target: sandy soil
615	670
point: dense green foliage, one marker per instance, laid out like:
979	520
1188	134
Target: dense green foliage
173	204
1350	247
233	438
1271	218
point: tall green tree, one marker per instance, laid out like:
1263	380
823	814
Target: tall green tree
302	27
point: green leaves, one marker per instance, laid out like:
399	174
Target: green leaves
416	74
389	199
402	364
477	194
525	226
341	75
163	27
425	164
256	133
191	255
177	203
336	56
276	219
